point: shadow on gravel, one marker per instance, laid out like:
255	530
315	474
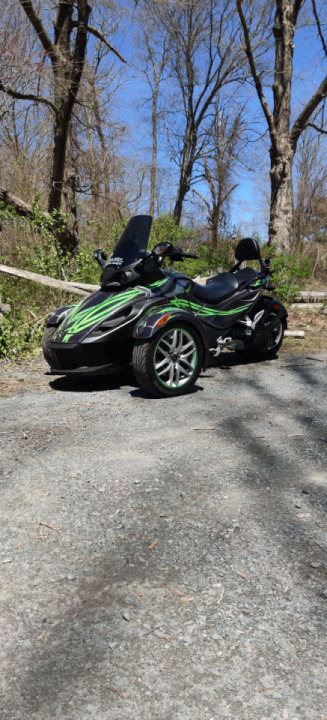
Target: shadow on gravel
138	393
94	384
100	383
125	378
287	461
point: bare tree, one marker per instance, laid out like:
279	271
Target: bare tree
154	55
97	136
310	197
65	54
24	137
225	143
284	132
207	56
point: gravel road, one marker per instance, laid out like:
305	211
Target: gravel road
164	559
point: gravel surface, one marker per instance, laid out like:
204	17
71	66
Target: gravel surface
164	559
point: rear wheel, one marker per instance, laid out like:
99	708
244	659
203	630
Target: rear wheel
170	363
269	348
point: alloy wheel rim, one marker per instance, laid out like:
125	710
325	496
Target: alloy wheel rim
175	358
274	338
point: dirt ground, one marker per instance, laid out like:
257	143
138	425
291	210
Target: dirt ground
166	559
314	324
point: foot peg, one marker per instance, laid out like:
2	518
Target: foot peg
223	343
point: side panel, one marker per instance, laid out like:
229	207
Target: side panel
92	312
227	312
153	321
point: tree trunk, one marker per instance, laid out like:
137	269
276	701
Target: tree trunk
68	66
63	185
281	206
98	127
153	171
214	222
186	171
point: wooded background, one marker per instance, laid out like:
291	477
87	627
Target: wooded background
214	84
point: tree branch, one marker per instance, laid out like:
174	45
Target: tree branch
307	111
315	127
255	74
94	31
43	36
30	96
297	5
204	200
319	26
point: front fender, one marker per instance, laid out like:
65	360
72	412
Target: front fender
150	324
56	317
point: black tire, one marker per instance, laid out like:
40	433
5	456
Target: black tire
269	347
170	363
46	340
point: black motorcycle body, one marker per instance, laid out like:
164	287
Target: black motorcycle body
165	324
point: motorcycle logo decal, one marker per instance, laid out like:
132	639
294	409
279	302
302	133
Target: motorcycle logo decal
115	261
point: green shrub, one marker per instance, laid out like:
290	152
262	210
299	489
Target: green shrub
289	275
164	229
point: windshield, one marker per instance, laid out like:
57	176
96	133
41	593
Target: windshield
133	242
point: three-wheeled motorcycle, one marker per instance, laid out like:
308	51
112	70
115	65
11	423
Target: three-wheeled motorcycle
162	322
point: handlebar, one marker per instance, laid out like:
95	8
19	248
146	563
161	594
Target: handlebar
179	255
190	255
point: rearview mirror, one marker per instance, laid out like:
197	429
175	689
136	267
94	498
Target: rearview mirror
164	248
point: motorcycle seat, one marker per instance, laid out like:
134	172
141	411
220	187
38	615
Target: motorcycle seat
217	289
245	275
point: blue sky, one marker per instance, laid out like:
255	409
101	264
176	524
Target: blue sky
247	207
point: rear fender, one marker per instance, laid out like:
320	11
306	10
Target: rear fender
56	317
277	311
150	325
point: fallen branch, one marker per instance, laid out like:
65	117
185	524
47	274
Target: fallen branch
67	239
294	333
71	287
312	296
307	306
22	208
48	526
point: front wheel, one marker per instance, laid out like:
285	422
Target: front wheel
170	363
269	348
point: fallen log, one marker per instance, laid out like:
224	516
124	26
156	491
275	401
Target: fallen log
306	306
65	285
66	237
312	296
294	333
22	208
